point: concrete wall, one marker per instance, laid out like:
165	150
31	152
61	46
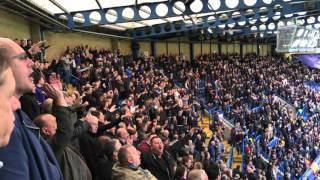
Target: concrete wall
197	49
14	26
205	48
125	47
185	50
227	48
60	40
161	48
145	47
173	48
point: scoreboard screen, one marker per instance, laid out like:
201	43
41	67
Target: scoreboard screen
298	39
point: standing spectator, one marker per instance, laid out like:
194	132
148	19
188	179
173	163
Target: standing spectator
58	130
27	155
158	161
66	68
29	104
7	88
109	156
39	82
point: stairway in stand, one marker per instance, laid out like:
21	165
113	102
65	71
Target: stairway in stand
237	158
204	123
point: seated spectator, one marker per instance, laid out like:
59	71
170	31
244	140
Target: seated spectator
128	166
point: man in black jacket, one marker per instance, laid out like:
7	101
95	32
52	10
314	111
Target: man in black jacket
58	129
158	161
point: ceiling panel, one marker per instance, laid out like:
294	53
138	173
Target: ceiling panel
78	5
46	6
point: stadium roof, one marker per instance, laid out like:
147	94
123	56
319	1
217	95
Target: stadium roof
149	18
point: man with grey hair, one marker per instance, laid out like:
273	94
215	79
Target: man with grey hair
128	166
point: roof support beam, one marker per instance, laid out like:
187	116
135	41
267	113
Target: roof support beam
153	15
161	29
98	3
23	5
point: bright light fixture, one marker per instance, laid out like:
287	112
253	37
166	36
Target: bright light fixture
214	4
178	8
196	6
271	26
144	12
250	2
162	10
232	3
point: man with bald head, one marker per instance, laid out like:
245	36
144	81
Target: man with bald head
57	131
128	166
27	156
47	124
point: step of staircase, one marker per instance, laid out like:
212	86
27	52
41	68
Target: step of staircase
204	124
237	158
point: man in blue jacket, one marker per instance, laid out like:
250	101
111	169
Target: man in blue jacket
27	155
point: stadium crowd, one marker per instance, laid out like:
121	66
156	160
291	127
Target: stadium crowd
247	93
102	115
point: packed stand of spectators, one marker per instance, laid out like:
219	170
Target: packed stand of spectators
107	116
243	89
